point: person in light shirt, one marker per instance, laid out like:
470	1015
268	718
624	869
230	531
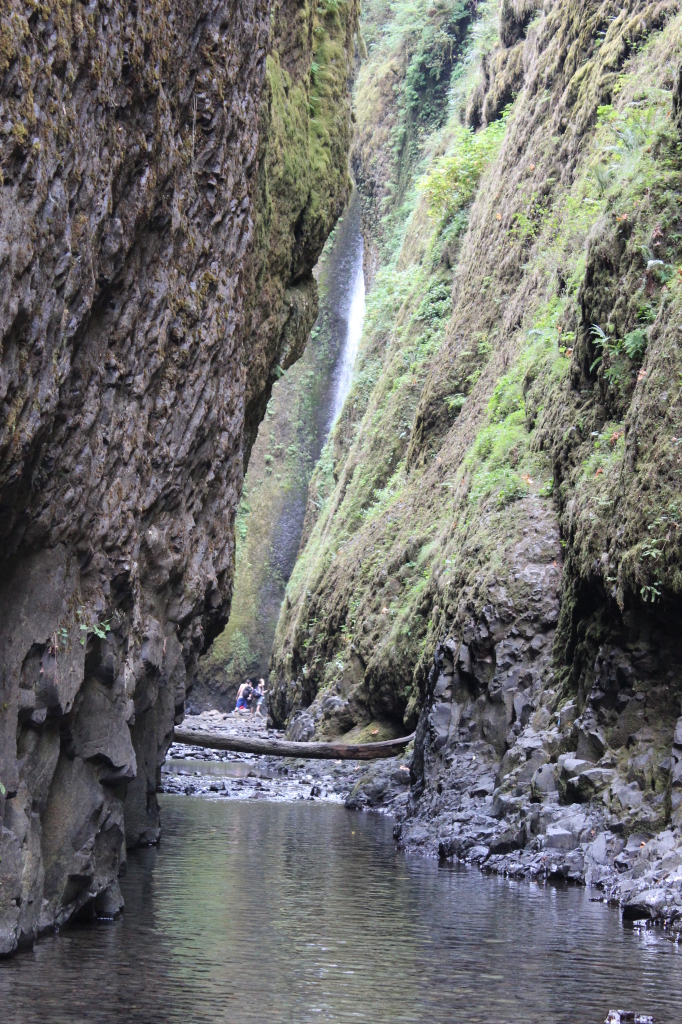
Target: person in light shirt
243	694
257	697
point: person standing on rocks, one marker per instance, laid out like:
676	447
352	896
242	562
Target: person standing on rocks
258	696
243	694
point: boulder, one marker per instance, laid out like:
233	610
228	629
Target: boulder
544	781
558	837
583	787
512	839
591	742
644	906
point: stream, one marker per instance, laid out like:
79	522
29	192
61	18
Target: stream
289	913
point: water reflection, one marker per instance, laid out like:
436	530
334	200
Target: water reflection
293	913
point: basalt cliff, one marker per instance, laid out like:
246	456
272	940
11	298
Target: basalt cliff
169	172
493	538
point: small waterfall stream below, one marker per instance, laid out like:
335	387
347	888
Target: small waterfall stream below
343	372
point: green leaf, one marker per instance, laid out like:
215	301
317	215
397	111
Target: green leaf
635	344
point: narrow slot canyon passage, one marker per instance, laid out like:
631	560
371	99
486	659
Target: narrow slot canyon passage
341	512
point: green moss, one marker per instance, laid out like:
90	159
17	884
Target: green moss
473	420
408	308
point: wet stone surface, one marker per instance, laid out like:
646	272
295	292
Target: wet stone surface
198	771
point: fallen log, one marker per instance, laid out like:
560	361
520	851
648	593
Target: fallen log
287	748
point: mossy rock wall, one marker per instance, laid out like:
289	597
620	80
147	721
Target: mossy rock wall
506	476
169	172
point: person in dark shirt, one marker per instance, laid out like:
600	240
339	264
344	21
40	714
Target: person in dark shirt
257	697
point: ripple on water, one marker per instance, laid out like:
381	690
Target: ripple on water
292	913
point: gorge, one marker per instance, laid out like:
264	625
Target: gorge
458	515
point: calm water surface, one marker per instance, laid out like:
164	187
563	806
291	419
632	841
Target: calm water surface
272	913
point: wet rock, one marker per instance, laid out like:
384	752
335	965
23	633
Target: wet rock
544	781
454	846
626	797
645	906
591	745
627	1017
478	853
676	775
584	787
508	841
483	787
570	766
558	837
301	729
109	903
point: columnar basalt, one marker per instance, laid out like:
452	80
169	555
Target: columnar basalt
155	268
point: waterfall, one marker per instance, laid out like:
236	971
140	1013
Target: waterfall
304	406
355	315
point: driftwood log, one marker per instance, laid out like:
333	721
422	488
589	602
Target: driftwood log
286	748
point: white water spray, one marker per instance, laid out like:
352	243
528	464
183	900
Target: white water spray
356	316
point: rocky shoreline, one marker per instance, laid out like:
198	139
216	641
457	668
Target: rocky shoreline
536	837
248	776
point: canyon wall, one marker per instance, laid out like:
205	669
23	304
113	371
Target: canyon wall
169	173
494	556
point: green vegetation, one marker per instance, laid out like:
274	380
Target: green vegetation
519	373
408	309
452	182
302	188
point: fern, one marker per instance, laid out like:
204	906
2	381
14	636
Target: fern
601	340
454	179
635	344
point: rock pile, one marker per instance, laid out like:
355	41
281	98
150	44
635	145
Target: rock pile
559	803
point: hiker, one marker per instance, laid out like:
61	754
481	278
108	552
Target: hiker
258	696
243	694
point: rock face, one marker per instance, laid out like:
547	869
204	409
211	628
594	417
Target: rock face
497	550
164	195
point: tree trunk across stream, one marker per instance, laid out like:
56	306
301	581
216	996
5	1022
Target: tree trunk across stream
286	748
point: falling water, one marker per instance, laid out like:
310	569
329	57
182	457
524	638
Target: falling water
356	314
323	379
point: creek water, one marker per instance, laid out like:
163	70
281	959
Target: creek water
264	913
